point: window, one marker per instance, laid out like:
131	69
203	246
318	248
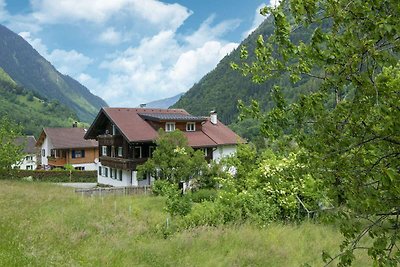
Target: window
28	158
137	152
120	151
120	175
111	173
104	150
100	170
190	127
29	167
170	126
114	130
53	153
43	153
151	150
105	171
78	154
205	151
80	168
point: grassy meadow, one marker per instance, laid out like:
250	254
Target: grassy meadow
48	225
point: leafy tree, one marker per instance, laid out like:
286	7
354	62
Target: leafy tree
10	152
348	128
174	160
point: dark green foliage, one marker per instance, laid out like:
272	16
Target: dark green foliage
60	176
202	195
10	152
347	128
30	70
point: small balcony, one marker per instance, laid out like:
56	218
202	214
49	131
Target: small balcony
121	163
59	162
110	140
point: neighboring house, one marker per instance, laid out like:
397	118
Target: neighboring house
61	146
127	137
28	162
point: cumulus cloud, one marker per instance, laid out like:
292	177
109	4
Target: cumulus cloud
161	66
67	62
155	12
111	36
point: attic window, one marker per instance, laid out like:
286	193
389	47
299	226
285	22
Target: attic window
170	126
190	126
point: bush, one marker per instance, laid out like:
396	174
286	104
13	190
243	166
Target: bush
162	187
203	195
203	214
178	204
52	176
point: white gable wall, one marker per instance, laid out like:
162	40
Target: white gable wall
223	151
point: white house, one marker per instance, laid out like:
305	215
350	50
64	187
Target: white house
127	137
28	162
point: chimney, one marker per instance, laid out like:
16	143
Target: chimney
213	117
75	125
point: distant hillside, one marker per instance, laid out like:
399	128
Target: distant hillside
31	71
164	103
29	109
221	88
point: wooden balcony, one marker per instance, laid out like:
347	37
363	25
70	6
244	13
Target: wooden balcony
121	163
110	140
59	162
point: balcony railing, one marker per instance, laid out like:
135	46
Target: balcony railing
110	140
121	163
56	161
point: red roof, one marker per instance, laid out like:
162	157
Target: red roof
136	129
62	138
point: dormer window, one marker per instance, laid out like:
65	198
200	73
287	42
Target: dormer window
190	127
170	126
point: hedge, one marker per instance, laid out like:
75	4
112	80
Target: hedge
52	176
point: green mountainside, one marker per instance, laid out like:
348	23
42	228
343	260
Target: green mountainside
29	109
31	71
221	88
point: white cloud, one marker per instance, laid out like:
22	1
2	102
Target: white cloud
161	66
110	36
70	62
208	32
257	20
3	11
155	12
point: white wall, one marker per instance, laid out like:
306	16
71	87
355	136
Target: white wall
223	151
87	166
47	146
24	163
102	179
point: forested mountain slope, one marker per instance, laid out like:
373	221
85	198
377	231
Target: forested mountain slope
29	109
33	72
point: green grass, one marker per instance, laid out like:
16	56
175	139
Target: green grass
43	224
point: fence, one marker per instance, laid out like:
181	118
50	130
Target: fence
116	191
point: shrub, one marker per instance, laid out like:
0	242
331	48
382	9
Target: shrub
203	195
203	214
178	204
162	187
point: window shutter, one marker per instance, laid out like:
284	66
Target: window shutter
73	154
83	153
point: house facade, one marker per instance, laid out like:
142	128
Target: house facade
28	162
60	146
126	138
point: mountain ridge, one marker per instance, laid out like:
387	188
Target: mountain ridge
32	71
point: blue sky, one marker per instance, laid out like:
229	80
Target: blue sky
133	51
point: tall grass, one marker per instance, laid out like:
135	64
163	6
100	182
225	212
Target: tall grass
43	224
